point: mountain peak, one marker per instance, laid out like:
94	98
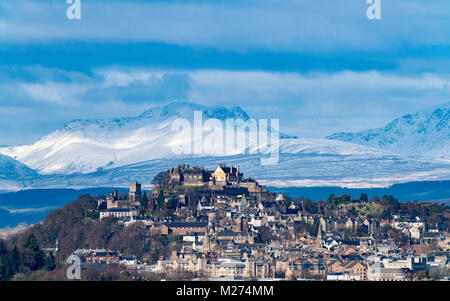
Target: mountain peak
425	132
186	110
160	113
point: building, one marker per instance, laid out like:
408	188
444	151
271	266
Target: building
119	213
135	194
106	257
378	272
112	199
226	175
352	268
204	204
178	228
183	174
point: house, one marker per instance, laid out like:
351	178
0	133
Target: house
330	244
159	229
414	232
349	225
120	213
177	228
353	268
324	224
205	204
106	257
127	260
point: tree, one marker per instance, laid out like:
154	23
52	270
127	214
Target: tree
363	197
172	203
265	235
144	200
160	202
50	262
33	257
309	206
9	262
353	212
385	214
374	199
337	200
389	202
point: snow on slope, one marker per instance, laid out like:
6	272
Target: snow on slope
114	152
12	173
425	133
293	170
87	145
11	169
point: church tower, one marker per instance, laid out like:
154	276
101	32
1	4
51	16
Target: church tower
135	192
319	242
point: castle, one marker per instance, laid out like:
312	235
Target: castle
223	178
112	200
198	176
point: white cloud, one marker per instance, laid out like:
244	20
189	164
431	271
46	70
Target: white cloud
56	93
290	25
308	105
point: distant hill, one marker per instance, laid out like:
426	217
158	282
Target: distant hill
31	206
12	169
429	191
115	151
87	145
425	133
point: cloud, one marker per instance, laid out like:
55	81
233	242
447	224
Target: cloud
139	87
312	104
54	93
325	26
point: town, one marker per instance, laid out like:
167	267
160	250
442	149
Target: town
234	228
216	224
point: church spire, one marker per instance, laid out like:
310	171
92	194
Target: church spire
319	242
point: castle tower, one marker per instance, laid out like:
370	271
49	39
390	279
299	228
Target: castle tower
135	192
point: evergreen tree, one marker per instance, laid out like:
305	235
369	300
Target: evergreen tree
33	257
363	197
50	262
144	200
160	203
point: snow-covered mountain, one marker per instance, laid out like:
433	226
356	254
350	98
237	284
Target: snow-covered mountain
114	152
301	163
13	173
11	169
424	133
88	145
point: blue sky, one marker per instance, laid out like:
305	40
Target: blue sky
319	66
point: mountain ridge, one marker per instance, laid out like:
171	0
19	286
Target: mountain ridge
87	145
161	113
116	151
425	133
